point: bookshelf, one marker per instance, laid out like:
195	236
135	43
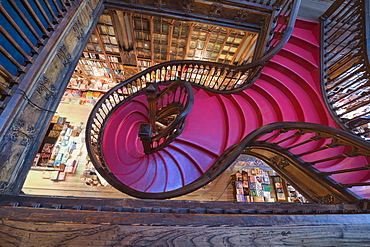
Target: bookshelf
60	150
255	181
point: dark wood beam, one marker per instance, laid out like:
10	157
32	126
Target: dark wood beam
43	13
223	44
36	19
240	47
16	27
27	58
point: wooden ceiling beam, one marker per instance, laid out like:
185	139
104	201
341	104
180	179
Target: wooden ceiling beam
210	30
223	44
238	50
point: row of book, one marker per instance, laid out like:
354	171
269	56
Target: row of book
74	96
260	185
93	63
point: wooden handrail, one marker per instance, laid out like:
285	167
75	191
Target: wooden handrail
345	65
278	144
179	101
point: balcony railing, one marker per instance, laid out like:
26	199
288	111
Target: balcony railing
18	54
346	66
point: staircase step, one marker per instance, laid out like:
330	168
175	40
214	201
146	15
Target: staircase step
305	35
160	178
205	125
268	77
311	103
264	106
294	69
252	118
200	156
174	174
301	56
190	169
287	108
140	169
200	94
233	123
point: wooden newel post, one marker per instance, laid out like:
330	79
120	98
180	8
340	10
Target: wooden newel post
151	93
145	135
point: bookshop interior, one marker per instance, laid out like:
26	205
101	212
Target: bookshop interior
62	166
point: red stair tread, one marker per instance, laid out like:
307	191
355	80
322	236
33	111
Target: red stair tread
268	82
175	176
135	174
160	178
304	54
190	170
264	106
233	124
144	179
314	110
204	125
252	118
305	35
201	157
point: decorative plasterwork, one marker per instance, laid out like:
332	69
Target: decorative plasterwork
188	6
242	14
45	86
64	55
78	28
19	130
328	199
279	161
158	4
215	10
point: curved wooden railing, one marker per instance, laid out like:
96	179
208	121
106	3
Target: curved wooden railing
167	113
215	77
346	65
311	172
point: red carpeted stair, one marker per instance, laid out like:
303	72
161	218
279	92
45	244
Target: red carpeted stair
287	90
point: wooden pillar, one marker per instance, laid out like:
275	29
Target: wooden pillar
24	121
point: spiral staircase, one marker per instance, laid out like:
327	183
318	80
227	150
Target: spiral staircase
282	114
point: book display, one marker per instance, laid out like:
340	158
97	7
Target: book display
79	97
61	149
257	182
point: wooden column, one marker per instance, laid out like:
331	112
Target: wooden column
29	111
151	93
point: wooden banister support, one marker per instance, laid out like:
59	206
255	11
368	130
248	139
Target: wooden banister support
151	93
